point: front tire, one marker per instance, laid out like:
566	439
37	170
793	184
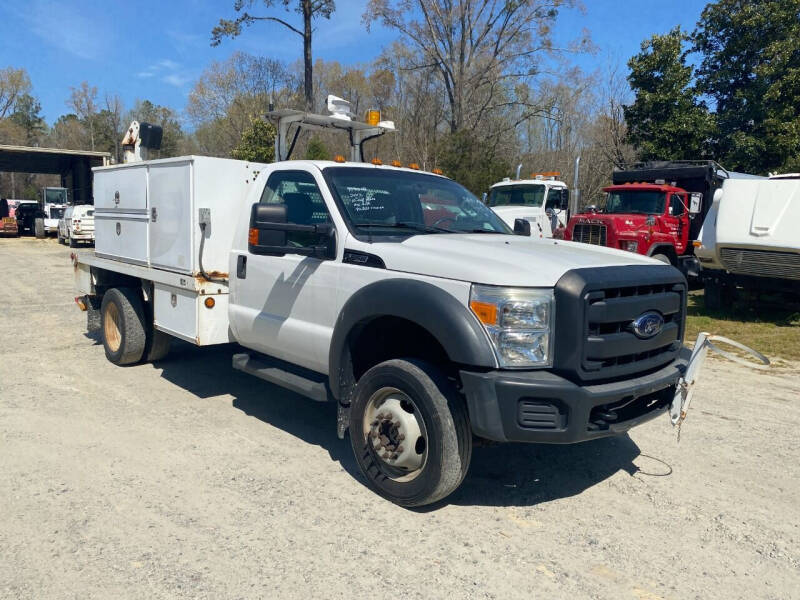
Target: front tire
410	432
122	320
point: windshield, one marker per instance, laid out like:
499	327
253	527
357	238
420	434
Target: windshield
517	195
55	196
376	199
635	201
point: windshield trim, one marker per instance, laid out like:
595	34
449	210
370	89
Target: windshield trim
391	233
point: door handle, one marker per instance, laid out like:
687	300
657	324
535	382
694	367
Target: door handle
241	266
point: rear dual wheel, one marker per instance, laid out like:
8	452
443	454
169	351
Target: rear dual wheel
410	432
128	333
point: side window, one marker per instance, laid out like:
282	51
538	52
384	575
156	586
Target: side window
304	203
553	199
676	204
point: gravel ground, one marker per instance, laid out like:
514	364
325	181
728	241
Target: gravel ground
188	479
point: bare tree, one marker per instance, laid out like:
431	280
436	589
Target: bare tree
310	9
478	48
113	115
13	84
83	100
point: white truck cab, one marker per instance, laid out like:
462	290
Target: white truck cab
542	200
393	292
54	203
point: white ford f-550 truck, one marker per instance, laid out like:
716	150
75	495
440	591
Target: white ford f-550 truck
394	292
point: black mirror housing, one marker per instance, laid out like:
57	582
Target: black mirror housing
264	237
522	227
268	229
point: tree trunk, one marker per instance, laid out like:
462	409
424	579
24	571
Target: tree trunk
308	83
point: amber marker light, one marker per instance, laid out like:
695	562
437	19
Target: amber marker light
486	312
377	161
373	116
397	163
252	236
437	172
209	302
339	158
414	166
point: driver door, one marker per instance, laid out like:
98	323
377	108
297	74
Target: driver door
284	305
677	221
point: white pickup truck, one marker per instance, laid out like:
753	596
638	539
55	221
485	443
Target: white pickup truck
395	293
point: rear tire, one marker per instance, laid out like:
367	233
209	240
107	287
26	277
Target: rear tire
718	295
123	329
435	417
72	242
157	346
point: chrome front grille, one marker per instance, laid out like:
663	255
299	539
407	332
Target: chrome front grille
761	263
589	233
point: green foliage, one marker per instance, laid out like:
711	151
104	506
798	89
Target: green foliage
317	150
751	71
666	121
257	143
27	115
464	158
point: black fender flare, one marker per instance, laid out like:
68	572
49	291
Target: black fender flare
430	307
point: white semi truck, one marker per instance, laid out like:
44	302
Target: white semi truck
750	238
393	292
53	203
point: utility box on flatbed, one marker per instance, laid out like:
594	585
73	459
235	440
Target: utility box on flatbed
148	213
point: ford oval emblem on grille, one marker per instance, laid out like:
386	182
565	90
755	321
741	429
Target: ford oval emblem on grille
647	325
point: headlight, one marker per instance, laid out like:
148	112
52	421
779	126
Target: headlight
518	321
629	246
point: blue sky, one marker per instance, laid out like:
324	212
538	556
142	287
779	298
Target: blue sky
155	50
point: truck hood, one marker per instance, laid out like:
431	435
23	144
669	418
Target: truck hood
494	259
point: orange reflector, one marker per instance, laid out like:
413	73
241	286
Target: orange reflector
252	236
81	303
377	161
339	158
437	172
397	163
486	313
373	117
414	166
209	302
697	244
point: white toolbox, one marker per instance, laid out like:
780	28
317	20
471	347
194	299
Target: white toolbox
146	213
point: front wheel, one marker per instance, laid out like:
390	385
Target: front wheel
410	432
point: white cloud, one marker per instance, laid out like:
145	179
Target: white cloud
176	79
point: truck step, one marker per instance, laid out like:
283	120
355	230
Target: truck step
301	381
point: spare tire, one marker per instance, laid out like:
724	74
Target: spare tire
38	227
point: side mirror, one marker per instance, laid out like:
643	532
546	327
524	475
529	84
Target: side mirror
485	196
564	199
522	227
696	202
266	235
268	229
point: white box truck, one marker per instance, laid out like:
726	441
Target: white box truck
342	281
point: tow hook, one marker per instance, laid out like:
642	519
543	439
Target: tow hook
685	387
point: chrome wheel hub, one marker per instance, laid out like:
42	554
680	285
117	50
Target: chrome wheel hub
396	433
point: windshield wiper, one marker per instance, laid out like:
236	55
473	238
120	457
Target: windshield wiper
407	225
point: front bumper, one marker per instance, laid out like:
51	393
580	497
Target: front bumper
540	406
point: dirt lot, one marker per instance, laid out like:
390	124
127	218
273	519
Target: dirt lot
187	479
